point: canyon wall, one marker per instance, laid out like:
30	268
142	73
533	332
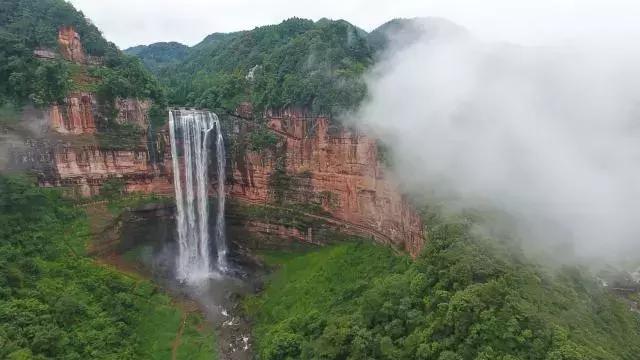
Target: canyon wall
83	170
327	177
329	168
322	180
80	161
70	46
74	115
78	112
328	174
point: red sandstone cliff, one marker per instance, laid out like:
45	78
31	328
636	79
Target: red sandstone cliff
80	163
338	168
334	167
133	111
70	45
75	115
84	170
70	155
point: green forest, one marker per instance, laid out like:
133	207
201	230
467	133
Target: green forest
58	303
465	297
314	65
470	295
26	25
159	55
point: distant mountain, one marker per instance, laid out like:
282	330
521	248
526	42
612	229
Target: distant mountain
159	55
215	39
403	32
299	62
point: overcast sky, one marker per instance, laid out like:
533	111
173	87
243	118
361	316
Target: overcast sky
532	22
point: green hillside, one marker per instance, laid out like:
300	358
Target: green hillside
26	25
298	62
57	303
466	297
159	55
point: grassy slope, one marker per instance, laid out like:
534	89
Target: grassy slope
167	328
318	282
55	302
159	329
463	299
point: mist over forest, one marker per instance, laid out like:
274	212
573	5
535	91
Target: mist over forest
317	188
546	134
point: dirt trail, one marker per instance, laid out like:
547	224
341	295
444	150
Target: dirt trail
178	340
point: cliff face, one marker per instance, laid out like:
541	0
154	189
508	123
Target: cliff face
75	115
324	180
70	45
329	175
85	169
334	168
75	159
82	165
133	111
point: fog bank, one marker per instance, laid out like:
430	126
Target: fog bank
549	135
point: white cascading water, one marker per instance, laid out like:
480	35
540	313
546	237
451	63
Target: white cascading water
194	258
221	242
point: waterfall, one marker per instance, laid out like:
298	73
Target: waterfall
221	242
191	190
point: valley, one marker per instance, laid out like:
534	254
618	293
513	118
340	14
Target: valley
219	201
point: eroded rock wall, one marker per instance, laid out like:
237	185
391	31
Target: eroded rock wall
334	181
331	166
70	45
75	115
86	168
63	145
133	111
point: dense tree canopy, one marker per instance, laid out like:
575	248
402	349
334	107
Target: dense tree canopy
467	296
26	25
159	55
57	303
36	23
316	65
53	302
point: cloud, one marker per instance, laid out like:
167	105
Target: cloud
551	135
134	22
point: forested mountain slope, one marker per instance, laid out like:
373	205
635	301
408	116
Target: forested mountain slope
297	63
468	296
159	55
316	65
32	69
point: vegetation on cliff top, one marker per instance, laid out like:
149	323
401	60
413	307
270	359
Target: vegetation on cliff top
26	25
57	303
465	297
159	55
316	65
